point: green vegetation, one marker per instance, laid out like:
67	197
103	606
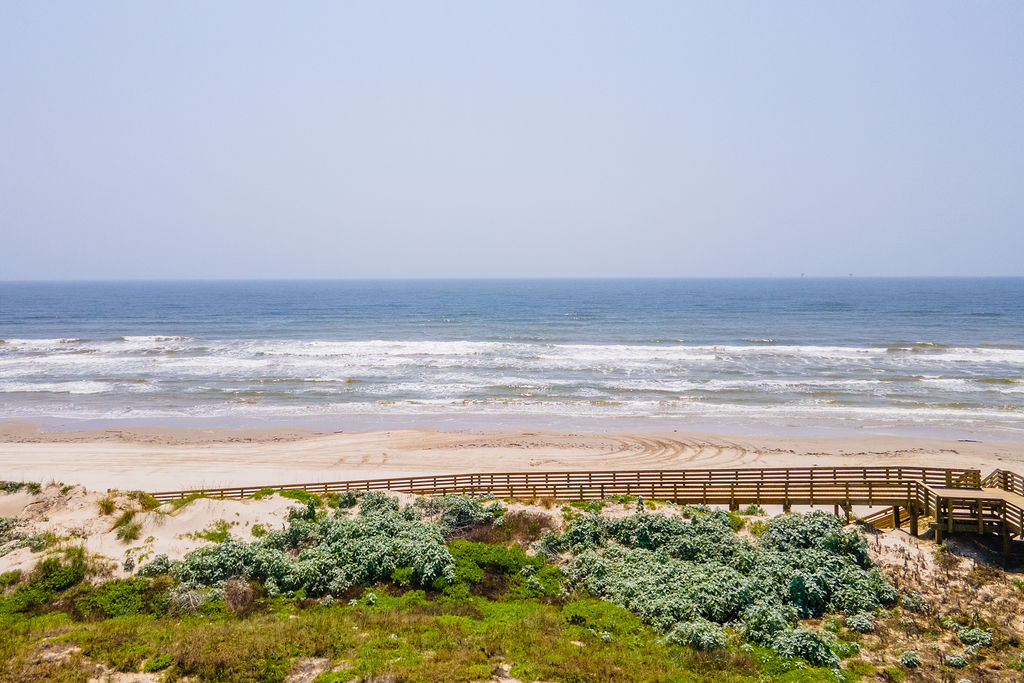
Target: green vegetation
106	505
219	531
302	496
690	579
13	538
145	501
413	593
10	578
32	487
127	528
403	636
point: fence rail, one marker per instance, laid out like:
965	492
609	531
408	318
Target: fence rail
958	498
1005	480
777	484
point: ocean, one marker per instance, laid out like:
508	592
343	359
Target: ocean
943	356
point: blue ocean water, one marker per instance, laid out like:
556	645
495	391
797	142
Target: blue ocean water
864	353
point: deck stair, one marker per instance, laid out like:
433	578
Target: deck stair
883	519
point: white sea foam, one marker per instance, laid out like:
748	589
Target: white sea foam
171	375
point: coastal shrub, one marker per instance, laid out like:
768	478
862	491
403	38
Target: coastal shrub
117	598
327	555
956	660
862	622
753	510
265	492
49	577
456	513
106	505
157	663
10	578
670	571
584	532
699	634
157	566
913	601
522	576
736	521
805	644
910	659
41	541
378	502
7	528
762	621
550	545
345	499
975	636
258	531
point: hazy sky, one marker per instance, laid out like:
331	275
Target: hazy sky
468	139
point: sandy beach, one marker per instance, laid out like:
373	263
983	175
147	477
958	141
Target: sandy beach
165	458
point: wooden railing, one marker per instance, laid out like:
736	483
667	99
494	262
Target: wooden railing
1005	480
906	490
782	485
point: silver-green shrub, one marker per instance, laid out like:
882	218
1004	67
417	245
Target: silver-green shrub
327	555
670	572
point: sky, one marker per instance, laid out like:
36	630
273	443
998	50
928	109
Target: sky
146	140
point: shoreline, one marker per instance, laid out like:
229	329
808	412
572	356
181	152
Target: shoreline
763	426
155	458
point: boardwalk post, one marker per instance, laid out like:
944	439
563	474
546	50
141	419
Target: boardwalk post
981	518
1004	531
895	516
938	520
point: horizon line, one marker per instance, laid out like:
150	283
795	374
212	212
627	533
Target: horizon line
510	278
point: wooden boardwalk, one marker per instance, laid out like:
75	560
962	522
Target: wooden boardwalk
958	499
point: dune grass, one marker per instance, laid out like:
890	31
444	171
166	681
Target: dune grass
406	637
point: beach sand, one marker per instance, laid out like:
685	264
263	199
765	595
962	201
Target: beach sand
167	458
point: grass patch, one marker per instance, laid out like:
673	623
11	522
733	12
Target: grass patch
145	501
10	578
32	487
178	503
402	638
127	528
106	505
218	532
303	497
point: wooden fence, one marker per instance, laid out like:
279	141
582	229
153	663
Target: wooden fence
778	485
958	498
